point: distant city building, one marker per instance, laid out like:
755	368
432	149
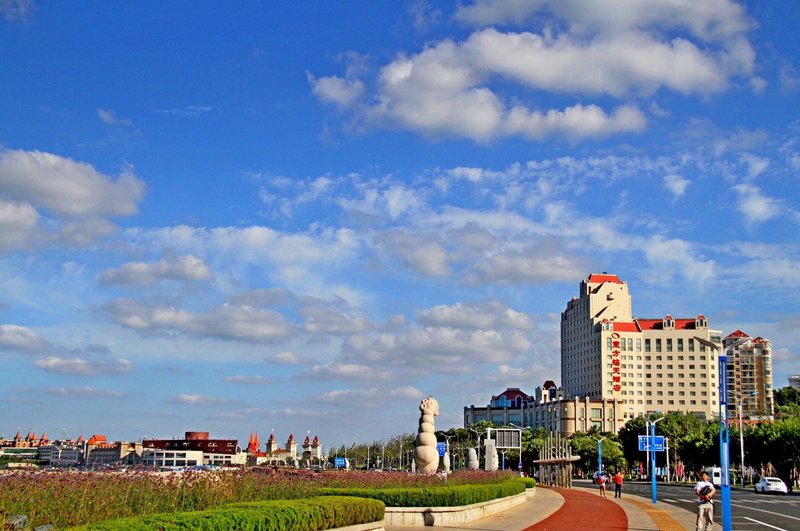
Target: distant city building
749	375
219	452
648	365
101	452
794	381
548	408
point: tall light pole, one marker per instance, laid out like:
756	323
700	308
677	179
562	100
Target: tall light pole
478	445
521	429
653	456
724	434
600	454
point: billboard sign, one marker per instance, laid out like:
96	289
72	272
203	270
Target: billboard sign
648	443
507	438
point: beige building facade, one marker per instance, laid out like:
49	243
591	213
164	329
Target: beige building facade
749	376
649	365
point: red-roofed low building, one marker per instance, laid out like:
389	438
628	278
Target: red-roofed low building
649	364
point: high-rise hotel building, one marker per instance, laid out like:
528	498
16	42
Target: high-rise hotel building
650	365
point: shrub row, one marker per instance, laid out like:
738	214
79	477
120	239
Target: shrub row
308	514
444	496
529	482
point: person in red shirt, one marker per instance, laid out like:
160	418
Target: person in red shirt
601	480
618	479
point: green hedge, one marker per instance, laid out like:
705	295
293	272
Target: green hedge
529	482
444	496
308	514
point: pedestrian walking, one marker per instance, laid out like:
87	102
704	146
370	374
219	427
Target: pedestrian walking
618	479
705	505
601	480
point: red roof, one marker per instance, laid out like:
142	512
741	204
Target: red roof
658	324
512	393
625	327
738	333
548	384
604	278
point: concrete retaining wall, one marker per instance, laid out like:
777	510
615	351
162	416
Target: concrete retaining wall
442	516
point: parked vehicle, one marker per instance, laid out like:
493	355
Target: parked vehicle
768	485
714	475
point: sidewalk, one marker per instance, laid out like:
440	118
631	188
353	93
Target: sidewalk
557	509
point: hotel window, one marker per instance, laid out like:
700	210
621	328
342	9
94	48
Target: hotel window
658	345
680	344
647	345
608	343
691	345
639	344
630	343
669	344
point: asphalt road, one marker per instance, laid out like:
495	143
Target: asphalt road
750	511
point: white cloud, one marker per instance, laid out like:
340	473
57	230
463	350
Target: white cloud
342	371
190	110
676	184
482	315
18	223
179	268
16	10
325	321
82	367
755	165
235	323
109	117
249	379
755	206
81	392
350	397
66	187
422	253
285	358
21	339
407	392
195	399
533	265
343	93
667	256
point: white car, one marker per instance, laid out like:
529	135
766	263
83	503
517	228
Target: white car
766	485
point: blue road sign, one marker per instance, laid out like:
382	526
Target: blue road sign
339	462
650	443
441	448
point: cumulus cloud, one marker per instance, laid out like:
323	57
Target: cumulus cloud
66	187
407	392
667	256
326	321
235	323
179	268
754	206
82	367
18	222
422	253
532	265
21	339
481	315
611	48
342	371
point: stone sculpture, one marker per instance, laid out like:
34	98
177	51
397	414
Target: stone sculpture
426	457
472	459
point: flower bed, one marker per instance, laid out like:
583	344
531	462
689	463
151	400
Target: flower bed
277	515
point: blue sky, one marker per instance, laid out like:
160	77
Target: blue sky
308	216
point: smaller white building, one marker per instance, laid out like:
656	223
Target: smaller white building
159	458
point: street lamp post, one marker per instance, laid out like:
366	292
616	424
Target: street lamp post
600	454
653	456
724	434
478	444
521	429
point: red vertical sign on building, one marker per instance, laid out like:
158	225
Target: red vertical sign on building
616	364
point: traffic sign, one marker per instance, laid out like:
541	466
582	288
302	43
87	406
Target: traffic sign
648	443
441	448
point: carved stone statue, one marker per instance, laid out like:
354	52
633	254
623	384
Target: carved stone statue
472	459
426	456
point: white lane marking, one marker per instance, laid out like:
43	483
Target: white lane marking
764	524
768	512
